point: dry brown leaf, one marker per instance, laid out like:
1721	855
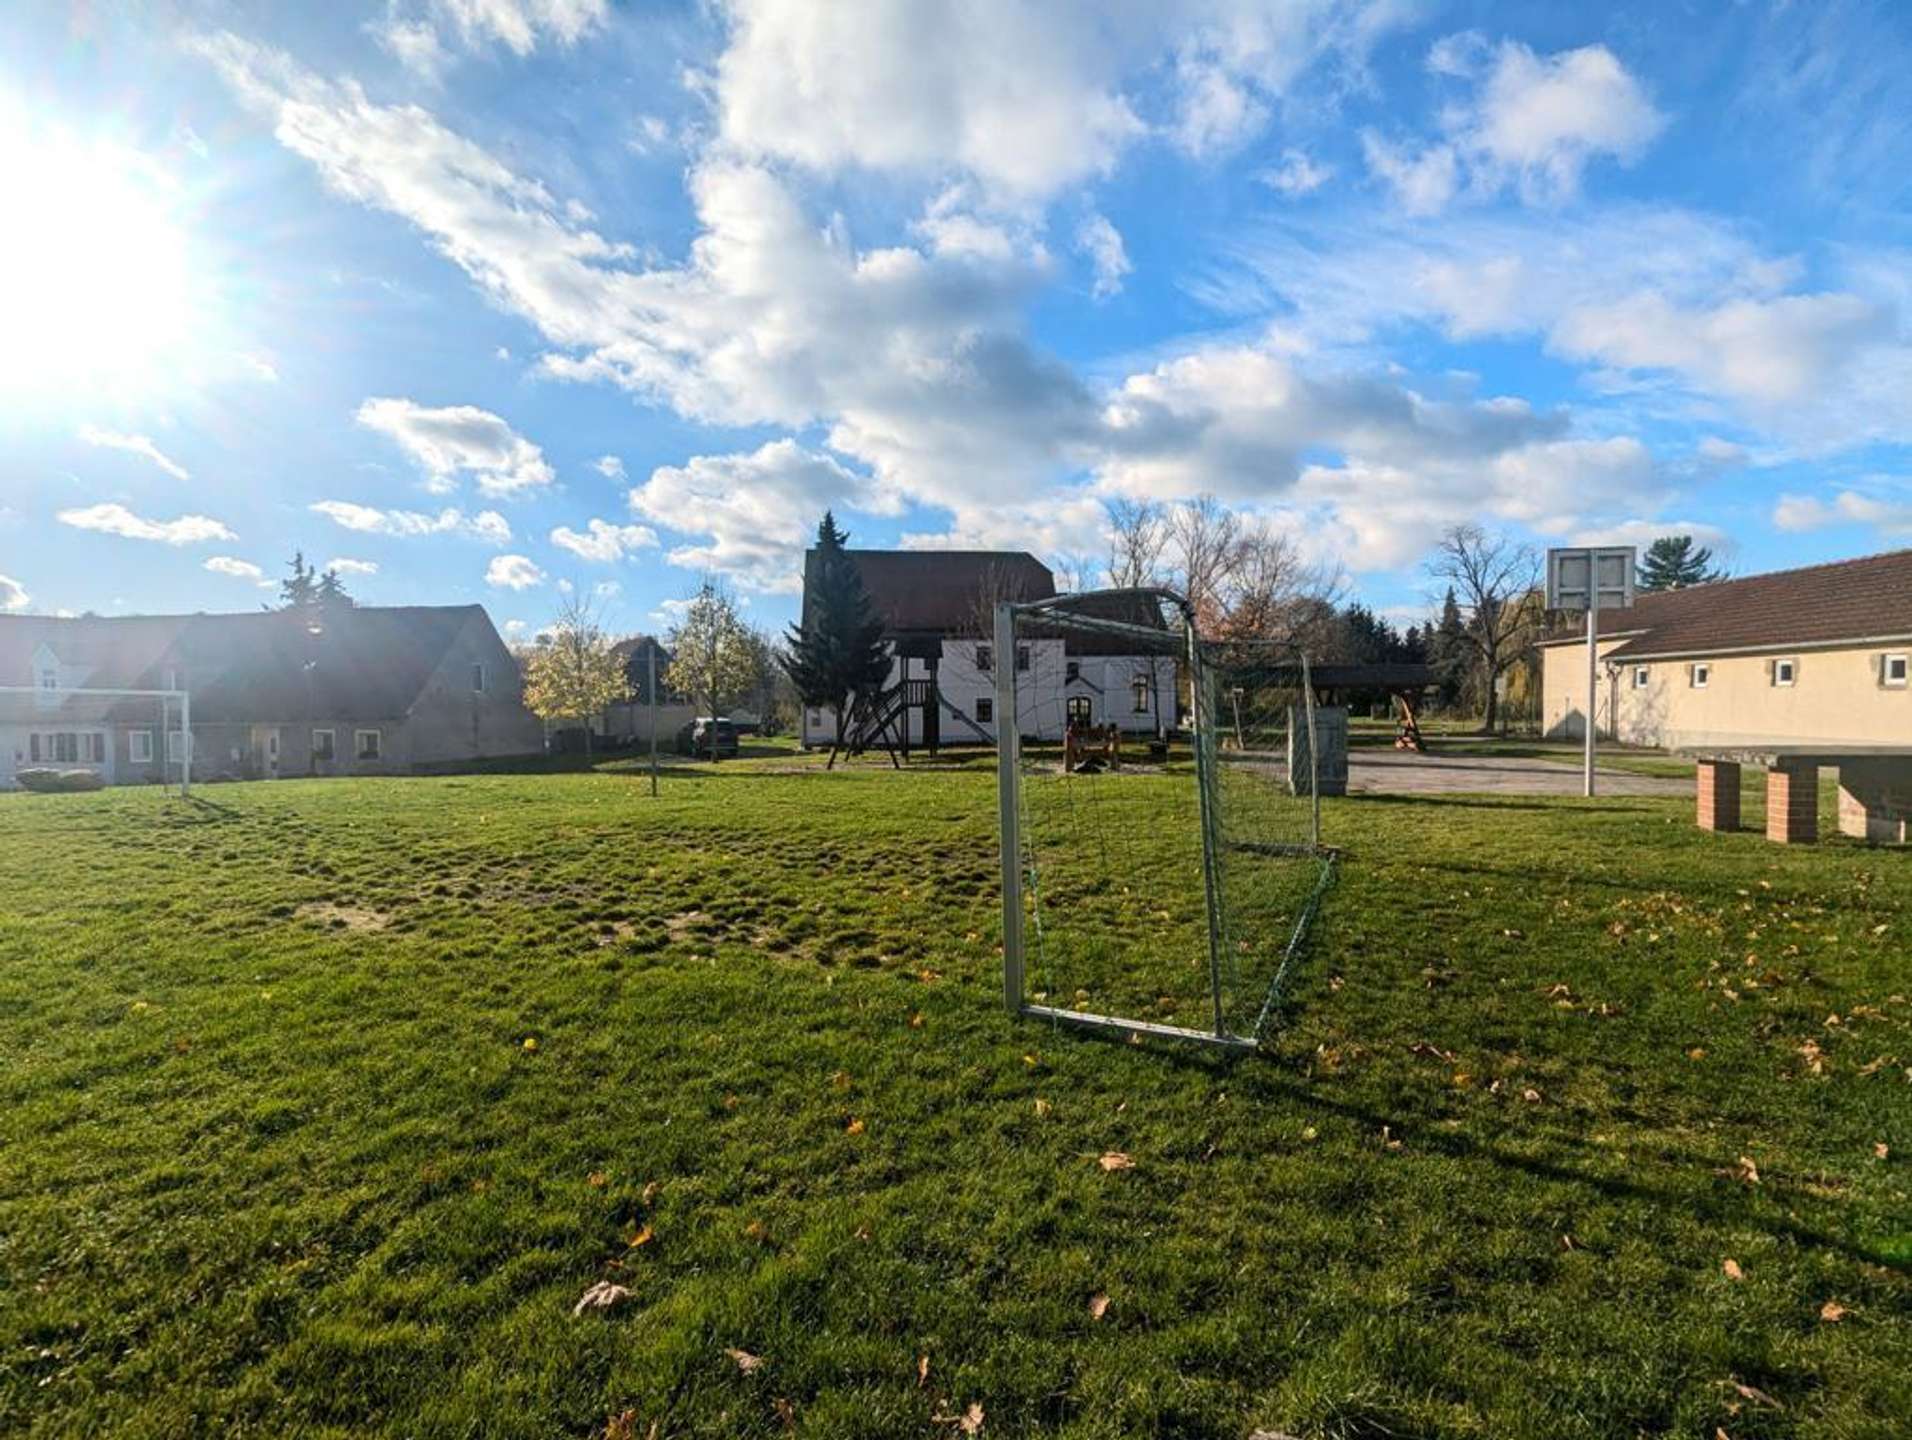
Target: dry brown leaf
972	1421
1098	1305
922	1371
1880	1149
916	1019
1832	1312
841	1079
746	1362
1530	1095
644	1236
786	1412
1043	1107
601	1296
758	1231
1748	1171
855	1127
1116	1160
650	1193
1757	1396
597	1180
1032	1059
1732	1270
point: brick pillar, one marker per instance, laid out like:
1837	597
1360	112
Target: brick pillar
1719	795
1792	804
1875	800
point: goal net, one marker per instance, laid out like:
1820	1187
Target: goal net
66	738
1162	853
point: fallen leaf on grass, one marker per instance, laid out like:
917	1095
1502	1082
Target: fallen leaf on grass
855	1127
922	1371
601	1296
1530	1095
1880	1149
1757	1396
1732	1270
916	1019
786	1412
1032	1060
970	1422
746	1362
596	1180
644	1236
1748	1171
1043	1107
1098	1305
1832	1312
841	1079
531	1044
1116	1160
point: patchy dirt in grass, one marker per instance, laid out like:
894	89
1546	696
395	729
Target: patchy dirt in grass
342	917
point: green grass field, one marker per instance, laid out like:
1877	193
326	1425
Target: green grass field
1580	1123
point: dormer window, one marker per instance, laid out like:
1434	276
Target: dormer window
49	679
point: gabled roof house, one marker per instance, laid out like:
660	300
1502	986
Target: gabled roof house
356	690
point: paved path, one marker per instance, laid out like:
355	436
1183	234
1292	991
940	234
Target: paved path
1400	772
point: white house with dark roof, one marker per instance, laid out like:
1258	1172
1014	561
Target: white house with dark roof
937	607
363	690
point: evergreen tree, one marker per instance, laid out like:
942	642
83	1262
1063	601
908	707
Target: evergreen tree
330	594
300	589
837	650
1674	562
1447	649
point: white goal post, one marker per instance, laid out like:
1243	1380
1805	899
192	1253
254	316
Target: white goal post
35	707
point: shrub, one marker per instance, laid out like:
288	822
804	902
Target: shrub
50	781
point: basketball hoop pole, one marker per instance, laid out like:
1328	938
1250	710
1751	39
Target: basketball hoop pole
1592	700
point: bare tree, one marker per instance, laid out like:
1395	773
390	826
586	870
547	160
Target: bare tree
1205	543
1494	578
1138	535
1272	591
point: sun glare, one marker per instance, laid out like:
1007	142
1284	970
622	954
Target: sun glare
96	282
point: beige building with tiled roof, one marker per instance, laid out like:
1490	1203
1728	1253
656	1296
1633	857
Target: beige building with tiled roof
1820	656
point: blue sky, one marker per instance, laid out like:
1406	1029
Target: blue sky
486	299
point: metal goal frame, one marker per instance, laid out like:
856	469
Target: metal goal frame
58	695
1009	743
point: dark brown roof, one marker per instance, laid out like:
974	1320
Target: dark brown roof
1845	601
363	663
942	592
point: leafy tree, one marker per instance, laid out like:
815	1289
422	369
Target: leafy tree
574	672
715	657
1674	562
1495	578
837	649
300	589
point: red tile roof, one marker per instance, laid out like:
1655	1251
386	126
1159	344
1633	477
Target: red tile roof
1847	601
943	592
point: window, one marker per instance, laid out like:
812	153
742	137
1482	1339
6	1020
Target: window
1022	657
1701	674
95	748
139	746
1072	672
1140	685
986	712
1894	671
65	747
49	679
1640	676
816	719
478	678
366	743
985	658
1785	671
176	746
323	746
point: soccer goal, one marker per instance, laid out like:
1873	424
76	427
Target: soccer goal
1161	827
124	737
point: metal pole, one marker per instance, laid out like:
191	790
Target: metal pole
185	744
651	651
1205	704
1314	755
1008	747
1593	602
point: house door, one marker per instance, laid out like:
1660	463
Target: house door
1081	710
272	754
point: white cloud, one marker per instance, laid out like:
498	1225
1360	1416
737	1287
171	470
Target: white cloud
1642	533
118	520
610	467
1109	257
513	572
140	445
13	595
238	569
347	566
1534	124
1891	518
604	542
456	440
416	36
486	525
1297	174
758	510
